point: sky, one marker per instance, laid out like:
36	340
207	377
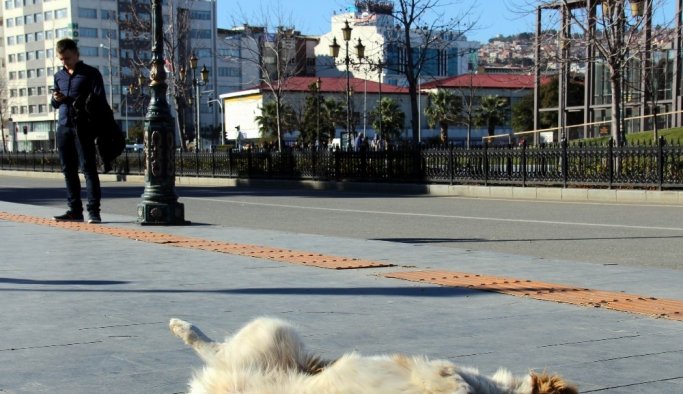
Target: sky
313	16
493	17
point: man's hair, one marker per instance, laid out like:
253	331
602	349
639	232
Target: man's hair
66	44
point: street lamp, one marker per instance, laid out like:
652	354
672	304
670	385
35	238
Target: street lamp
160	204
196	84
360	52
111	74
318	83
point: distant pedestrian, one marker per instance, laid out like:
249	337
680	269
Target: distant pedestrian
76	85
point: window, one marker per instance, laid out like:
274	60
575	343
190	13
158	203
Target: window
90	13
22	109
28	19
30	55
12	58
42	108
14	110
49	34
200	15
49	53
203	34
31	92
19	21
20	39
61	33
106	33
21	75
60	13
87	32
9	4
11	41
40	72
9	22
41	90
228	72
21	57
22	92
13	93
40	36
30	37
32	109
12	75
40	54
108	14
50	70
88	51
48	15
30	74
38	17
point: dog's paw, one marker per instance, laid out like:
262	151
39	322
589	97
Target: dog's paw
183	330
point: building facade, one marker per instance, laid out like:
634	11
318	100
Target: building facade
109	40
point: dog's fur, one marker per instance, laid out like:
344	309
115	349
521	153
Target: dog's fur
267	356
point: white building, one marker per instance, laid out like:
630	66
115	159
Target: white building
31	28
375	28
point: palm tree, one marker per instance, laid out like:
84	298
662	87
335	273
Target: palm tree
391	116
443	109
268	120
491	112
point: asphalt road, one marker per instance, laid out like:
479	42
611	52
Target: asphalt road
601	233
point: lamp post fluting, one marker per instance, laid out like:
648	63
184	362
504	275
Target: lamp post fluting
334	51
160	204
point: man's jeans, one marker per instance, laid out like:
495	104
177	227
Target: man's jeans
75	153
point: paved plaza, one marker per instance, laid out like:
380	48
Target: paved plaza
84	311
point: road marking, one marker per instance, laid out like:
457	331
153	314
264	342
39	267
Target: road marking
439	216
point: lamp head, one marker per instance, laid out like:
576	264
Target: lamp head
205	74
346	30
193	62
360	49
182	72
334	48
141	80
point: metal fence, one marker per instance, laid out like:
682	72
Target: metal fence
632	166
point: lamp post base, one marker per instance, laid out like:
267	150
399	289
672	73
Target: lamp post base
162	214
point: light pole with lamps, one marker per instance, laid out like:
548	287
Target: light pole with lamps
360	52
197	94
318	84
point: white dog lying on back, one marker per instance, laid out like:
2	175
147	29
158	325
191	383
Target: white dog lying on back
267	357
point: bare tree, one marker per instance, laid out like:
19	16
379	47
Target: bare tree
276	56
422	26
607	34
136	24
3	109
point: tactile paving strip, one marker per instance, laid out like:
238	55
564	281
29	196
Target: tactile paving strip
261	252
651	306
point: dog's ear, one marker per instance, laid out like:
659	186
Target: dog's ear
550	384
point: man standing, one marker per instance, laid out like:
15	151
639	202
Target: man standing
76	85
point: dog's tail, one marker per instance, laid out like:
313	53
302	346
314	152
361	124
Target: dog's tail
544	383
195	338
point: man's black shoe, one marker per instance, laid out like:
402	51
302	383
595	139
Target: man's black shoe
94	218
69	216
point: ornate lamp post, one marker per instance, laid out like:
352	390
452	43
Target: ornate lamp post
360	52
197	95
159	204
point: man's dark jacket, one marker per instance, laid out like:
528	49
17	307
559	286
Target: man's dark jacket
85	107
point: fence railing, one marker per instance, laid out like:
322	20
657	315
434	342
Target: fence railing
631	166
